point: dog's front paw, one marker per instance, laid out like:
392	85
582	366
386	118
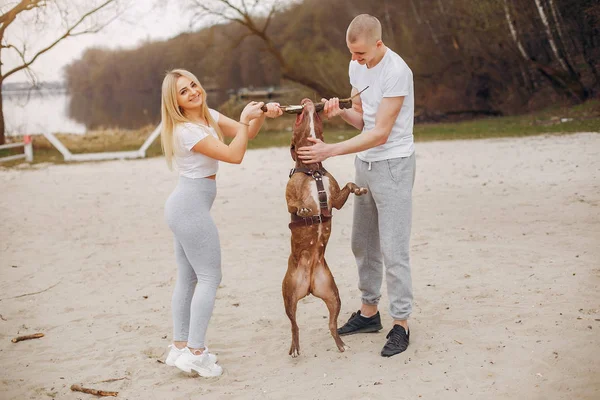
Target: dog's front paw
354	188
304	212
360	191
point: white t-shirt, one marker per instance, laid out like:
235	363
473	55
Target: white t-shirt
391	77
189	163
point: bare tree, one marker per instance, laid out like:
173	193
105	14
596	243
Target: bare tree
517	41
256	16
513	32
75	20
565	80
544	19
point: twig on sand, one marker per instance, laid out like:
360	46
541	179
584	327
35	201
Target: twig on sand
77	388
30	294
112	380
27	337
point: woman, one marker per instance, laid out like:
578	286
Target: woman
192	137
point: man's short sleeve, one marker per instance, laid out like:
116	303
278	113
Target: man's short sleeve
351	75
397	82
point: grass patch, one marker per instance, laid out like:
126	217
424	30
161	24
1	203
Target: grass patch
559	120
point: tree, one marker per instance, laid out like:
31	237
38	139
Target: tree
256	16
75	19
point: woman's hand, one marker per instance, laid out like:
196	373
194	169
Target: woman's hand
273	110
251	111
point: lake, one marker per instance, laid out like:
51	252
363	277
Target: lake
51	110
38	113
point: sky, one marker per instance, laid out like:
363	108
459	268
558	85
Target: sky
144	20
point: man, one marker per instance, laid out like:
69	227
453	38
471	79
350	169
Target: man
385	164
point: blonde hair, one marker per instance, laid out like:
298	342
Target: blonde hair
364	26
172	114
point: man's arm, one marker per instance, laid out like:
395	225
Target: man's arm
354	115
388	111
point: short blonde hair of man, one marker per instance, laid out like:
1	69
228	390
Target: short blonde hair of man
172	114
364	26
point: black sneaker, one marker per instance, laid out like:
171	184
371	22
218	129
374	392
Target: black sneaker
359	324
397	341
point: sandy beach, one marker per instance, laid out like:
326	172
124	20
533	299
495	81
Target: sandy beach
506	277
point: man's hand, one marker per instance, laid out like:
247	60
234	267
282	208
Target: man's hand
318	152
332	107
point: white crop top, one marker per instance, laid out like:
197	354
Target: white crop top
189	163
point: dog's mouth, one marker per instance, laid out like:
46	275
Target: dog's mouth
301	133
307	107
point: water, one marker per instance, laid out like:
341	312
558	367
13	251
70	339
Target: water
56	111
40	112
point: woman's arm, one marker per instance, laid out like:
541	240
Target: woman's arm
230	127
234	152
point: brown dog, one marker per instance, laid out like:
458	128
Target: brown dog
311	193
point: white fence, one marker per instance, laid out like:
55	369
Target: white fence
118	155
27	146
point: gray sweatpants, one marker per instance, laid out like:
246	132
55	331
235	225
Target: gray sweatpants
381	231
198	256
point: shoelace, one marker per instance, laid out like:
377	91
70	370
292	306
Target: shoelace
394	337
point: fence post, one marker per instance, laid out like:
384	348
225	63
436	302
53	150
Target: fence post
28	148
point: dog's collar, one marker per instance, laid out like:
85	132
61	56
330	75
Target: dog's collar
310	172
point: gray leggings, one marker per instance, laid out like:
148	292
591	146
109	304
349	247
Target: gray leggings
381	231
198	255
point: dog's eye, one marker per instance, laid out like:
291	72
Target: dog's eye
299	118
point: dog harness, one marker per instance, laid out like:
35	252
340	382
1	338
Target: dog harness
325	215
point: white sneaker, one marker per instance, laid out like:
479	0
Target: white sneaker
175	353
201	364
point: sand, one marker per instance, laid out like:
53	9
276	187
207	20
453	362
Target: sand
506	275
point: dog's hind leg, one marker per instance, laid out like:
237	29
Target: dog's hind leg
294	287
324	287
291	304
